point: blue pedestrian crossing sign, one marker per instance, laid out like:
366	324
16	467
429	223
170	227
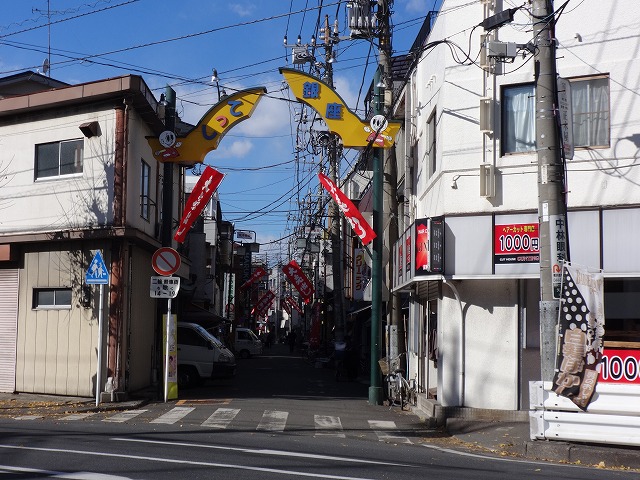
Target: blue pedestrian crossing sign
97	274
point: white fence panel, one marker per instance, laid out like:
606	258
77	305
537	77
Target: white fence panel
613	416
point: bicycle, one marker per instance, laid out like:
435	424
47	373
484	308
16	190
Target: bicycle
399	390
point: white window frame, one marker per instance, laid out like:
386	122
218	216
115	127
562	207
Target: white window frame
58	300
591	111
78	160
145	186
518	128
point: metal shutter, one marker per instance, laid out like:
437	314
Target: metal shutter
8	329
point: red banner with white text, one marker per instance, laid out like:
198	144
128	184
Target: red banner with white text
255	276
299	280
200	196
264	303
360	226
290	301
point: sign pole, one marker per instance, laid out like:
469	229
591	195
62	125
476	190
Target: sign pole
100	328
166	355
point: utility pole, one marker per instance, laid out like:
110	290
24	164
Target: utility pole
551	200
375	389
395	325
334	211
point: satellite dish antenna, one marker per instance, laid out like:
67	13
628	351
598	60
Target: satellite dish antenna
45	66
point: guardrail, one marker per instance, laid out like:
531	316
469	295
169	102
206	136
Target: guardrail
613	416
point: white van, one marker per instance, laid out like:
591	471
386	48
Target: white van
246	343
201	356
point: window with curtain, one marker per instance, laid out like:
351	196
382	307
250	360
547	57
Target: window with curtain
518	119
144	189
590	103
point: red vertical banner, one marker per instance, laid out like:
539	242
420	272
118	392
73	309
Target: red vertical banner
360	226
294	304
257	275
264	302
200	196
316	327
299	280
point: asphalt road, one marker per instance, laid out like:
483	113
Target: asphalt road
279	418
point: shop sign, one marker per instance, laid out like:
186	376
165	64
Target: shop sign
516	243
620	366
361	273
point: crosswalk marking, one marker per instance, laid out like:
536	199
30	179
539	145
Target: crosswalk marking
173	415
384	430
221	418
329	426
273	421
78	416
124	416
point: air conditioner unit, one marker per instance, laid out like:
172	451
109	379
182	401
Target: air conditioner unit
486	114
487	180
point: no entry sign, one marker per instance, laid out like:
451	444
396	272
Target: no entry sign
165	261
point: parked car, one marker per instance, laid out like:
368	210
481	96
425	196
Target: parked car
246	343
201	356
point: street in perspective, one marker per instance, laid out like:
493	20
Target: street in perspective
361	240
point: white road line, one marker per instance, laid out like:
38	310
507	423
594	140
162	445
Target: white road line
78	416
273	421
328	426
124	416
173	415
261	451
180	461
384	430
221	418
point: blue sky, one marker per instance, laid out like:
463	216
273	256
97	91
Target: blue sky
179	44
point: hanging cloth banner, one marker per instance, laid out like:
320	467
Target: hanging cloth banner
264	303
257	275
581	328
315	332
294	304
360	226
200	196
285	306
299	280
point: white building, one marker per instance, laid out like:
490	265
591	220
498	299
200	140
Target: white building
473	336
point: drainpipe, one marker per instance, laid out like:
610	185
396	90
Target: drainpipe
462	341
116	287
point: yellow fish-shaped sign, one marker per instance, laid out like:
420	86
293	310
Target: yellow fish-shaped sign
206	135
379	132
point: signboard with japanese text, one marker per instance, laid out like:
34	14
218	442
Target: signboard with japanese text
296	276
198	200
354	132
436	227
516	243
361	273
360	226
206	135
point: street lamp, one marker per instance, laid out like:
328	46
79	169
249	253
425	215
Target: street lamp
215	79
